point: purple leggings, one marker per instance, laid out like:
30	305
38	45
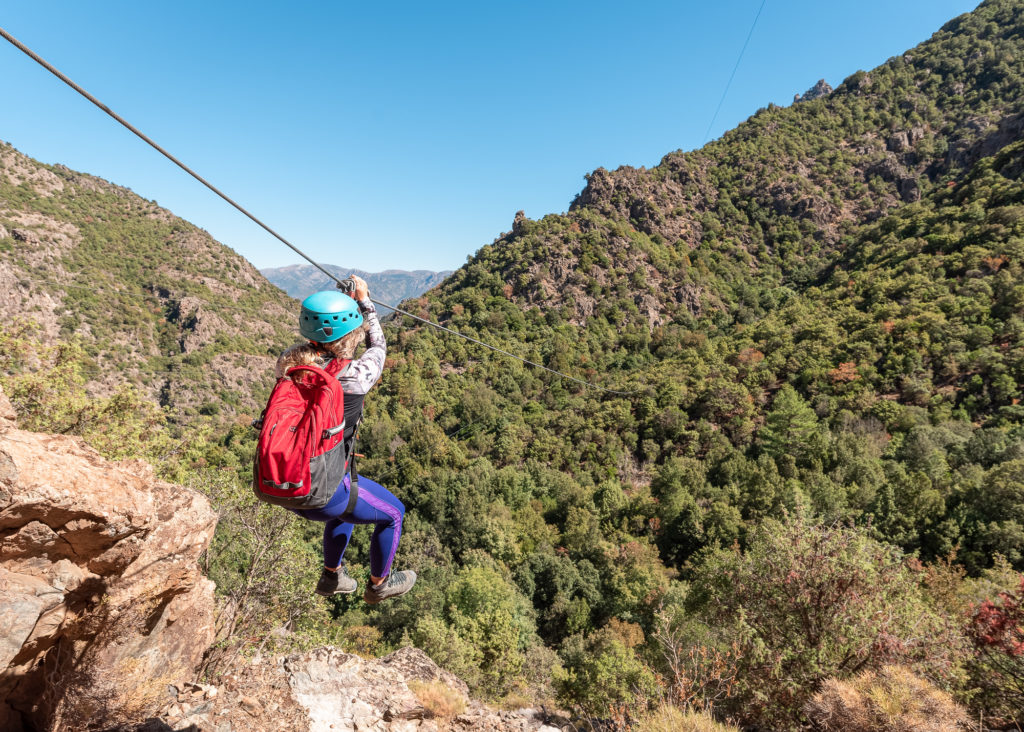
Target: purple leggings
375	505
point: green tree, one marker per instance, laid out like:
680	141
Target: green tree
603	671
791	427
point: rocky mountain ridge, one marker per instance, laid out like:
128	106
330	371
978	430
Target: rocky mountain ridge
391	286
154	300
771	200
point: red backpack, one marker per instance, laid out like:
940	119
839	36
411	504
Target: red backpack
300	455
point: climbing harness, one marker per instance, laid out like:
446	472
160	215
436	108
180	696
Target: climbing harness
340	283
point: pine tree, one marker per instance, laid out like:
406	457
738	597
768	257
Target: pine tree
791	426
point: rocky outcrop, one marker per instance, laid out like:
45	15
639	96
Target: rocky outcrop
982	137
904	140
199	325
101	599
519	223
327	689
821	89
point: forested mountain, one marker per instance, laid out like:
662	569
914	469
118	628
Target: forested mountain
391	286
153	300
821	313
817	480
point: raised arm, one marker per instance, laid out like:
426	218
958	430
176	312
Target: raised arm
366	370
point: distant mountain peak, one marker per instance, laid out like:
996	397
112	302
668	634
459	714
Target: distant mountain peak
391	285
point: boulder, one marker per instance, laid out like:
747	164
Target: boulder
25	236
101	598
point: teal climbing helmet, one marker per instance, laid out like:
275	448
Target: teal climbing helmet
328	315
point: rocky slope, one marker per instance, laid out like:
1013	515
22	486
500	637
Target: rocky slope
101	599
154	300
391	286
326	689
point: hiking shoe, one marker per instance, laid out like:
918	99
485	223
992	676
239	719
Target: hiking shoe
397	583
335	583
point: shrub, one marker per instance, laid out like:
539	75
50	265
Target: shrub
113	699
808	602
449	649
701	675
603	674
363	640
996	628
891	700
264	567
441	701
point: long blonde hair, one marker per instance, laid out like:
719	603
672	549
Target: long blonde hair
304	354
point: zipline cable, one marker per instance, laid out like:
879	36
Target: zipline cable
53	70
733	74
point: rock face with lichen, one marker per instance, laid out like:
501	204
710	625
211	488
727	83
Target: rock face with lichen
327	689
101	598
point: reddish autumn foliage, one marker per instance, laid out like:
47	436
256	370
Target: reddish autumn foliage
994	263
997	629
844	373
1001	626
749	357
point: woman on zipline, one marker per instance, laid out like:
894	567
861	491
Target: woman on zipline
375	504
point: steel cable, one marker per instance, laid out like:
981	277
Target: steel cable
734	69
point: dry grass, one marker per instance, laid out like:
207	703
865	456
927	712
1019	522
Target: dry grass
127	695
442	702
892	700
515	700
669	718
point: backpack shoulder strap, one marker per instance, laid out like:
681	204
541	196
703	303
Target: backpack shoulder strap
338	367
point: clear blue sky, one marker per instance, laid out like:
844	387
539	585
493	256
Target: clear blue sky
406	135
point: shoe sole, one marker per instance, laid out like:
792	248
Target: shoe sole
373	600
336	592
